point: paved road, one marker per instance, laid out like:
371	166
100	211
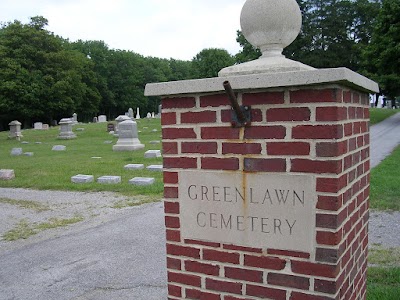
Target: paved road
122	256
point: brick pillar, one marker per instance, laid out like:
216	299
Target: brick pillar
276	210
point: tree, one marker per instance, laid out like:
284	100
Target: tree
208	62
382	56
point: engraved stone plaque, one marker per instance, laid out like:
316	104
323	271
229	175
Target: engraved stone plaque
257	210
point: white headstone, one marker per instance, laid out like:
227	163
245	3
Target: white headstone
45	126
109	179
16	151
127	137
134	166
156	168
59	148
130	113
148	115
7	174
153	115
102	119
137	113
152	153
38	125
80	178
74	118
15	129
142	181
66	129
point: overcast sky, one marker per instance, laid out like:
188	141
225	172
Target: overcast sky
162	28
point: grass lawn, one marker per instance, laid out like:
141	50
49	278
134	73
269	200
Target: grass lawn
379	114
52	170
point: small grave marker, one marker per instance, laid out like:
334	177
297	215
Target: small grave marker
16	151
152	153
134	166
28	153
156	168
109	179
59	148
142	180
7	174
81	178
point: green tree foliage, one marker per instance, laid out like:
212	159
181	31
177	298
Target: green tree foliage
208	62
382	55
40	79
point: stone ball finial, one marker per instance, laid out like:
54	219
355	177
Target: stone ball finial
270	25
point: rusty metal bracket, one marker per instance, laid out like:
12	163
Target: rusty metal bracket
241	115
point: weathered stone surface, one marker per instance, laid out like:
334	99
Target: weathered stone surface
66	129
7	174
109	179
154	142
156	168
102	119
24	142
28	153
108	142
59	148
134	166
127	137
16	151
15	130
81	178
142	180
152	153
38	125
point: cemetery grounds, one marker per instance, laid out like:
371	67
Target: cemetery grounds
91	153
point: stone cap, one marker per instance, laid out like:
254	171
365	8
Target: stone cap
341	76
15	122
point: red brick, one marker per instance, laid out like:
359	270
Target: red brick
288	148
265	132
171	192
333	221
199	147
325	286
174	264
170	148
199	295
348	129
352	112
301	296
226	133
366	113
182	102
331	185
317	132
329	238
183	251
331	149
178	133
168	118
288	114
265	262
347	96
211	163
197	267
264	292
256	115
180	162
314	96
171	207
332	203
332	113
214	100
264	165
202	243
316	166
296	282
172	222
224	286
288	253
221	256
235	298
243	274
173	235
170	177
184	279
263	98
242	249
315	269
325	255
174	290
199	117
241	148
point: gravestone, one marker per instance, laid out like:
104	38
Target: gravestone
28	154
137	113
81	178
153	115
24	142
269	199
148	115
15	130
109	179
7	174
38	125
159	111
156	168
130	113
120	119
66	129
134	166
16	152
59	148
95	120
102	119
74	118
127	137
45	127
152	153
142	181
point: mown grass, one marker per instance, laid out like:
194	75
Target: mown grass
379	114
383	283
385	183
52	170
